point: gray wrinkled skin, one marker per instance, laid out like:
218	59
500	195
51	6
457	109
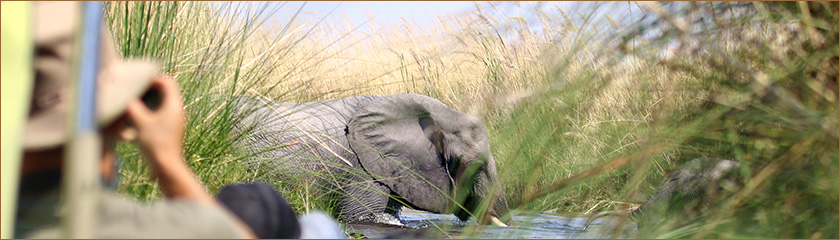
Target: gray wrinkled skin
364	149
687	193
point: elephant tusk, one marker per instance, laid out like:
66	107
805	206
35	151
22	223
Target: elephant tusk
497	222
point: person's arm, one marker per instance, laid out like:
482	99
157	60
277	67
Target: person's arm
160	133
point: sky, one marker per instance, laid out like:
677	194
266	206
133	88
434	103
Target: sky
392	12
385	12
424	13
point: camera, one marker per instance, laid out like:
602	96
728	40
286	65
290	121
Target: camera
152	99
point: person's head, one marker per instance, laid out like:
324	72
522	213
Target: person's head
261	208
56	30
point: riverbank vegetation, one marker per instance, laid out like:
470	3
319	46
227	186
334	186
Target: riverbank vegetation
587	108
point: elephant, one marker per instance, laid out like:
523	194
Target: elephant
377	154
687	193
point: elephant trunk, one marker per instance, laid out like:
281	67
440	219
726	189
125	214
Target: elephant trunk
491	203
501	207
500	215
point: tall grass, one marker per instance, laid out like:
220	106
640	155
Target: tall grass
753	83
203	46
584	112
217	52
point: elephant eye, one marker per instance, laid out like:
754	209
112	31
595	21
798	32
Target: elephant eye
455	163
451	164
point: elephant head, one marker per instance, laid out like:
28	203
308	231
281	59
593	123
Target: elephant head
435	158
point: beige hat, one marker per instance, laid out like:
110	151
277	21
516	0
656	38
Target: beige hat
56	26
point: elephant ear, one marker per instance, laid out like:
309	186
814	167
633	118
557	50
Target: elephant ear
399	140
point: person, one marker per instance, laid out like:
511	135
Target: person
269	216
188	210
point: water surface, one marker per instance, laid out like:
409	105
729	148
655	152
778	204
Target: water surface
419	224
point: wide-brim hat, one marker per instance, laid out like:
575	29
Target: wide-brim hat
56	30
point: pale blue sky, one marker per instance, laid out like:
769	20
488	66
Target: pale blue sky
422	12
383	11
390	11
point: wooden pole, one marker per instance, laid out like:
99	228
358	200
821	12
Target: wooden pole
16	75
81	184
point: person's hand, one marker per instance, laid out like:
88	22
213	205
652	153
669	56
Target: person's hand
159	131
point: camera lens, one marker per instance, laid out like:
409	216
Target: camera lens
152	99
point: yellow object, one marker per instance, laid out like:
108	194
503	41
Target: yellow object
16	80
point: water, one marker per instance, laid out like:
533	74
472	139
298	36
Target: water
419	224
